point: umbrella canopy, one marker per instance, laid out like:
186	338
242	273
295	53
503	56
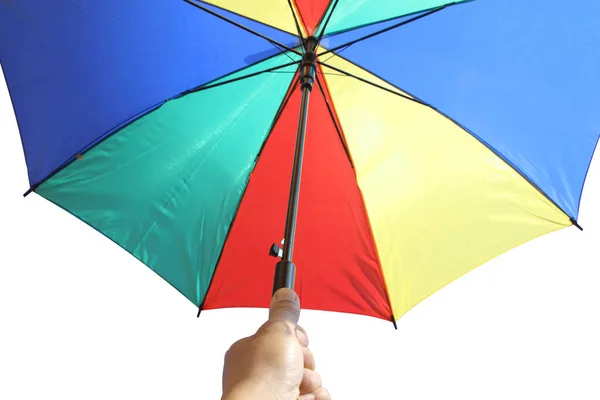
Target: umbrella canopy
440	134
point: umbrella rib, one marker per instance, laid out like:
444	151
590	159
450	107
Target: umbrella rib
319	73
284	103
326	21
484	143
389	28
335	122
347	150
131	120
272	41
377	22
372	83
295	20
499	155
330	73
487	145
334	54
239	78
287	54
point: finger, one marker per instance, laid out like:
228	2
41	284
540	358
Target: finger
285	306
311	381
319	394
302	336
309	358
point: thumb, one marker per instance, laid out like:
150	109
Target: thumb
285	306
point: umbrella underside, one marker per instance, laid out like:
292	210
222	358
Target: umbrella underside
400	194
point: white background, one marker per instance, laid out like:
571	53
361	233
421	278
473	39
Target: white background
82	319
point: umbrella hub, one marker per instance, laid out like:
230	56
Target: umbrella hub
308	65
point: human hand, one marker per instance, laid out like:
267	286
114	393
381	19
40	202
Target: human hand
274	363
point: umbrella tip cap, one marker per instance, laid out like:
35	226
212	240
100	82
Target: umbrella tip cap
576	224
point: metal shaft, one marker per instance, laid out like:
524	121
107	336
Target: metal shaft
285	269
290	225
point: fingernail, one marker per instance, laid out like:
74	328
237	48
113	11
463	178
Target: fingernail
285	295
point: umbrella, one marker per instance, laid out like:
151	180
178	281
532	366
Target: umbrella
421	138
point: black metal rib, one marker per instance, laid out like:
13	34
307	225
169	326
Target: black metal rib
326	21
296	20
372	83
129	121
344	144
335	122
319	73
239	78
284	103
480	140
576	224
389	28
393	18
273	42
497	154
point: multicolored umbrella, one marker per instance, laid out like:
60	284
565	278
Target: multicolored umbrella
434	136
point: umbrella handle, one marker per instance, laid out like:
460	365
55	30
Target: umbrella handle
285	273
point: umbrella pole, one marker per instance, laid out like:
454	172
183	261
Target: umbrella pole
285	270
